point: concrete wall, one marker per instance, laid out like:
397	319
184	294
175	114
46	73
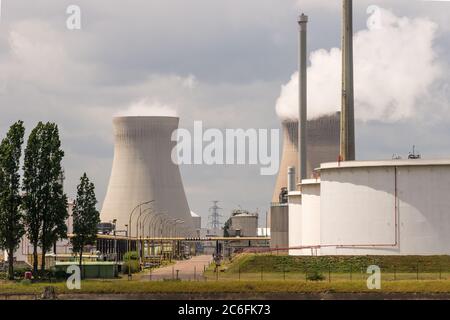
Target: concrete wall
279	227
295	222
360	202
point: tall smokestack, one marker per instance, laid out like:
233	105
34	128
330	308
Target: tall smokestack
347	145
303	114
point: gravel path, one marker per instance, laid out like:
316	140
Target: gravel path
191	269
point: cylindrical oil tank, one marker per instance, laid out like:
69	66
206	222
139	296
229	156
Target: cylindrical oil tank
245	224
398	207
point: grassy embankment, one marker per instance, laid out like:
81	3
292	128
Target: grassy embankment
274	269
332	268
288	286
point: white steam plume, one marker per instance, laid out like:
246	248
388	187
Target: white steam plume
144	108
395	67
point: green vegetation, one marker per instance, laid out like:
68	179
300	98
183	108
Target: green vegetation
131	262
123	286
11	216
251	263
85	217
44	202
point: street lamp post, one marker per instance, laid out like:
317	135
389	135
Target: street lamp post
140	231
129	233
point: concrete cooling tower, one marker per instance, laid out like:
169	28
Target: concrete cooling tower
142	171
322	146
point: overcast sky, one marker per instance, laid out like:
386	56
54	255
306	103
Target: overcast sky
223	62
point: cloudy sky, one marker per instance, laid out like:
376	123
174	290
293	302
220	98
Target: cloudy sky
228	63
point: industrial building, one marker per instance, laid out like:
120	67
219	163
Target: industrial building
349	207
145	180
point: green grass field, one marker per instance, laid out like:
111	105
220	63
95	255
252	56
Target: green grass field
250	273
331	268
288	286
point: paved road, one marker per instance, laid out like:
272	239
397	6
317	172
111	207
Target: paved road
191	269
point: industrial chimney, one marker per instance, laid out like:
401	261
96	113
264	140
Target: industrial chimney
303	99
143	170
347	135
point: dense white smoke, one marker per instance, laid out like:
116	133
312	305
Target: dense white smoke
395	66
145	108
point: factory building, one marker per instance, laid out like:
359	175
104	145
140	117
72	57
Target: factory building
143	171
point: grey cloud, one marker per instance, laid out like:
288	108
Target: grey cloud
240	53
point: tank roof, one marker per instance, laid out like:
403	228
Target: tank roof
384	163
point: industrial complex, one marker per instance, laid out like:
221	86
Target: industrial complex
325	202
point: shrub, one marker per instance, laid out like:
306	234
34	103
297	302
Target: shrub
3	276
315	276
19	273
131	255
61	275
132	265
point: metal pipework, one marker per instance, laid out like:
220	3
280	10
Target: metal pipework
347	144
303	94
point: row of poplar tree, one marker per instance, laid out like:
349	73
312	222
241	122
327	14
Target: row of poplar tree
36	205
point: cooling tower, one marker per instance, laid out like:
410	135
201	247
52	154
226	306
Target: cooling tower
143	170
322	146
289	156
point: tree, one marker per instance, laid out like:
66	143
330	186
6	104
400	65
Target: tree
52	197
45	203
85	217
11	216
33	193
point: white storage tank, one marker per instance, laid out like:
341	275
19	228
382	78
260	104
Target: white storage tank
385	207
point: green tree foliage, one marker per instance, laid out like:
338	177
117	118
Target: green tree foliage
33	193
85	217
11	217
45	202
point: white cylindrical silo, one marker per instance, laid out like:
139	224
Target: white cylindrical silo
143	171
398	207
